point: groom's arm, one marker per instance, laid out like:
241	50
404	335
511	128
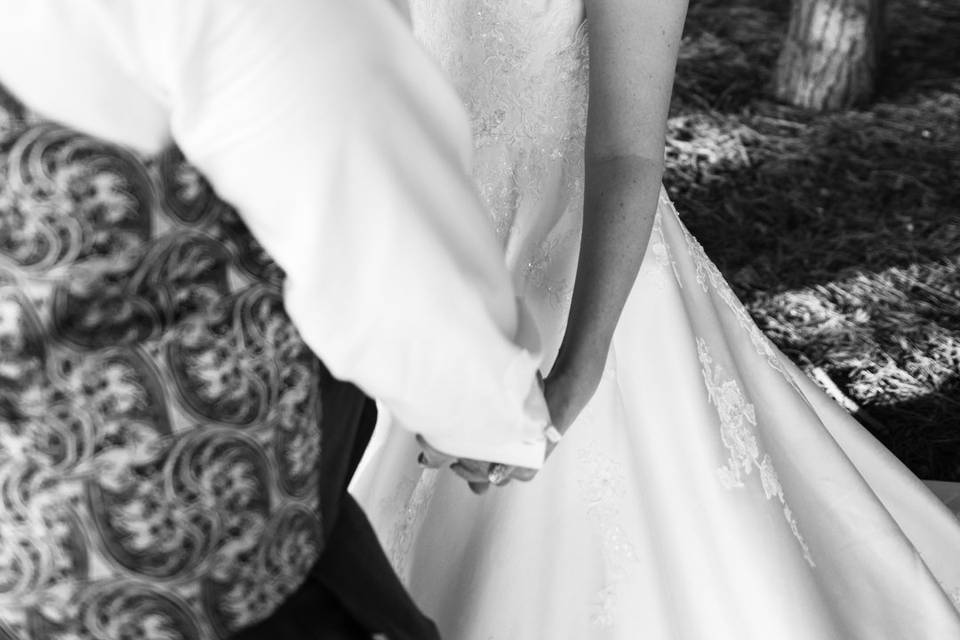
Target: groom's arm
348	152
347	155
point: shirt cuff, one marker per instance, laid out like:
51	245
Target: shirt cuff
528	454
527	447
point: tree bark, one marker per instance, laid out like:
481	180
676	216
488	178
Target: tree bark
829	59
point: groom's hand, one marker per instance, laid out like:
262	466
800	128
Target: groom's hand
473	471
432	458
479	474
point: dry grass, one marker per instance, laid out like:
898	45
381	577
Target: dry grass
841	231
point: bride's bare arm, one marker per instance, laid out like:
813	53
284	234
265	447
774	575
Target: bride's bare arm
633	53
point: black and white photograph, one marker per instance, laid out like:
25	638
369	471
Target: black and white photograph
479	320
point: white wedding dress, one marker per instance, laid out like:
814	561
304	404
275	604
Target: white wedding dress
709	491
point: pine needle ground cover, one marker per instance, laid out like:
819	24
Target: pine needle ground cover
840	231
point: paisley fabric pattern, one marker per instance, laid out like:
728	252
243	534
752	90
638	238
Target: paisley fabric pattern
159	414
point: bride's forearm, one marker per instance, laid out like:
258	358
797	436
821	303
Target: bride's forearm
619	207
633	52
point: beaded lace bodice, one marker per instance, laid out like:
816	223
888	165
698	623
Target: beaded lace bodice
521	69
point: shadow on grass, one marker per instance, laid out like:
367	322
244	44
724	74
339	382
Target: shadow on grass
888	342
728	53
923	435
921	48
782	203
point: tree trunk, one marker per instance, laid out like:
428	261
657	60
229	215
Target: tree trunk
829	59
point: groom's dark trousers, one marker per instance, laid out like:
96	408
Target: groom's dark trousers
352	591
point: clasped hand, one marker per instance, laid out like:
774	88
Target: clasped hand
566	395
479	474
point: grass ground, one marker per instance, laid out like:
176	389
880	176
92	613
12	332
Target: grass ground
840	231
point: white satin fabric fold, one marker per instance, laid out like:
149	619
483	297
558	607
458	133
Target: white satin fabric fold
709	491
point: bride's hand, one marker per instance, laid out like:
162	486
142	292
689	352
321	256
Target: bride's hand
567	392
479	474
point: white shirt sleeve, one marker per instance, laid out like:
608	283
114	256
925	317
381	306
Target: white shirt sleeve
347	154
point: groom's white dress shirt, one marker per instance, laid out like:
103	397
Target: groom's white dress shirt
347	155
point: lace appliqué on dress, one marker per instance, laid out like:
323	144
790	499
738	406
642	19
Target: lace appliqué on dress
708	275
602	487
738	421
557	289
416	498
660	250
